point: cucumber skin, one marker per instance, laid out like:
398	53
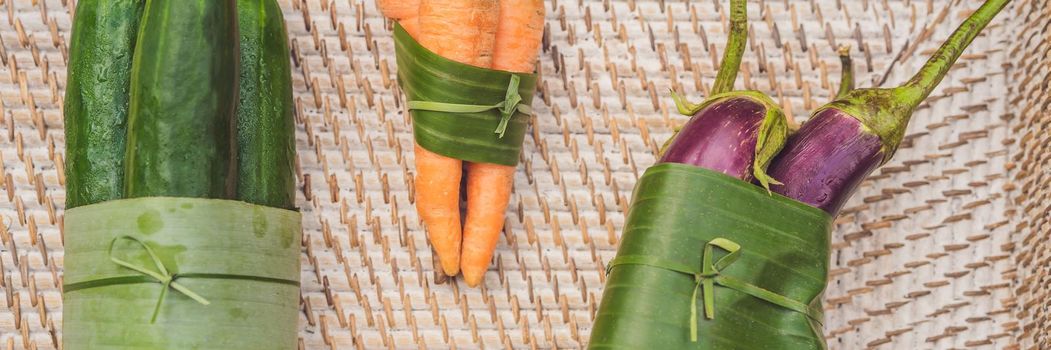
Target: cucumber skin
96	102
181	129
265	126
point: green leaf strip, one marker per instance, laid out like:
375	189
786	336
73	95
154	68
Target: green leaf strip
161	275
676	209
460	111
511	104
710	275
122	255
113	281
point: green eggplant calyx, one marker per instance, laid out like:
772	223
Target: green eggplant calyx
686	108
771	138
883	112
162	275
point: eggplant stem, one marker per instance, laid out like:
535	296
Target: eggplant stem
886	112
735	46
728	68
846	78
923	83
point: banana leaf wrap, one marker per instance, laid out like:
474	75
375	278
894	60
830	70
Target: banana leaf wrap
708	261
181	273
461	111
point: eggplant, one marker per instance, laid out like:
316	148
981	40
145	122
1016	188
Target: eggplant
734	132
851	141
846	139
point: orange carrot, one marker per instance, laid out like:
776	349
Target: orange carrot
406	12
399	9
411	26
519	35
489	186
438	204
462	31
488	192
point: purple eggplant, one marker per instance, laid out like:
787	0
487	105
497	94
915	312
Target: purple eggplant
841	130
734	132
823	171
845	140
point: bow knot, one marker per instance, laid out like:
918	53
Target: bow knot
162	275
707	275
711	275
511	104
168	279
706	279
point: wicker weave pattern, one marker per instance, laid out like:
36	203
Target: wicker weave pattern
929	254
1030	189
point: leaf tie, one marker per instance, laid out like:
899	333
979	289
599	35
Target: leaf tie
511	104
706	279
162	275
710	275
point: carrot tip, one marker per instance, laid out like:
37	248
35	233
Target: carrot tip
473	279
451	271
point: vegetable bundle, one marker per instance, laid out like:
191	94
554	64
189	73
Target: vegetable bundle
709	260
181	229
466	69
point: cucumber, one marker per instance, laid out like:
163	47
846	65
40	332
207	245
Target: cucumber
96	103
265	126
181	128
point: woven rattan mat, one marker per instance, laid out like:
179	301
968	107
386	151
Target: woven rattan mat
945	247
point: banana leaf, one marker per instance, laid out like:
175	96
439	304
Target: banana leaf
461	111
181	273
708	261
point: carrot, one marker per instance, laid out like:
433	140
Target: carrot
488	192
438	204
489	186
518	35
399	9
462	31
411	26
406	12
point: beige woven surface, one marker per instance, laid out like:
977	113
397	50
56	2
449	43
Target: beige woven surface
946	247
1030	164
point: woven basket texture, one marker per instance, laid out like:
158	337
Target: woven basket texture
946	247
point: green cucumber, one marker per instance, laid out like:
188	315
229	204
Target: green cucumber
181	129
265	126
96	103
